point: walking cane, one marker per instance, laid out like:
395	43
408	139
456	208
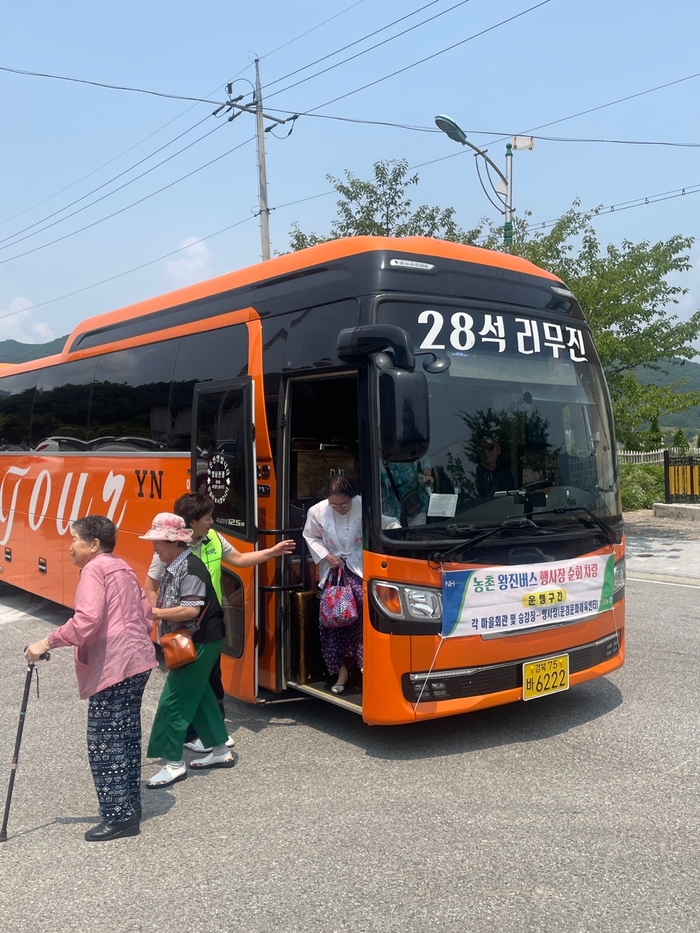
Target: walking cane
18	740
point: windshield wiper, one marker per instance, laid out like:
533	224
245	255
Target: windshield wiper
514	523
604	527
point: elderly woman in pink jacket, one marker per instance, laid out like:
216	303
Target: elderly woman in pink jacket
114	656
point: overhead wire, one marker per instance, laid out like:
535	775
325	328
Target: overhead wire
436	132
422	61
207	99
111	87
609	209
104	185
300	36
312	113
17	238
350	45
121	210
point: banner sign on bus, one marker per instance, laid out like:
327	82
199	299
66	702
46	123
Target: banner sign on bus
514	599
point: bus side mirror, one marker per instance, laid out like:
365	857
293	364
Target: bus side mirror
403	408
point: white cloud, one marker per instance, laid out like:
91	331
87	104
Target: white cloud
192	265
17	323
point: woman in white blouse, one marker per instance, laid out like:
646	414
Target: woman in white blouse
333	532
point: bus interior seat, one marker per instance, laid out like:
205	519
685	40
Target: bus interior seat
182	429
161	423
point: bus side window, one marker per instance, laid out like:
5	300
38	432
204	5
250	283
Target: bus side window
204	357
61	406
16	399
129	386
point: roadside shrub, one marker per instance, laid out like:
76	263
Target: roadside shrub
641	485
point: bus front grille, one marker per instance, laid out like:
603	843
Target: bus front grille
469	682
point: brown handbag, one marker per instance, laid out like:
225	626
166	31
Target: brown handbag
178	648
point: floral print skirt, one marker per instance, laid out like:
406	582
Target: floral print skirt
344	644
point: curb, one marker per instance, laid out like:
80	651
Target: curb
677	510
662	578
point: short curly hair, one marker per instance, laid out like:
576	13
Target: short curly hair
98	527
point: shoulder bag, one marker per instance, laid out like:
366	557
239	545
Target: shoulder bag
178	647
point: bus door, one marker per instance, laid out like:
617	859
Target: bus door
321	439
223	467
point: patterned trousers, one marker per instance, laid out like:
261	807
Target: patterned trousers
114	746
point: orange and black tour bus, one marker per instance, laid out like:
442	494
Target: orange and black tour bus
460	391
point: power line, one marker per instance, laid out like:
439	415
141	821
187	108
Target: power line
426	59
357	42
128	206
626	205
435	132
120	275
111	87
108	182
311	113
610	209
167	123
612	103
309	31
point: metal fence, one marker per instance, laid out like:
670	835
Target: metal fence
655	456
682	476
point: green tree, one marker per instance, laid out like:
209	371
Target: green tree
624	291
627	299
382	207
680	440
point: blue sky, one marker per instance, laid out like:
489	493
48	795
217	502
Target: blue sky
530	75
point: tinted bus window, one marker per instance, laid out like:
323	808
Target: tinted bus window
16	398
312	334
130	401
214	354
61	406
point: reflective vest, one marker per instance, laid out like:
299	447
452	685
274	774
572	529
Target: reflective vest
210	552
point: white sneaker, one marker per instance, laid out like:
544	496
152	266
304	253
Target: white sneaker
197	745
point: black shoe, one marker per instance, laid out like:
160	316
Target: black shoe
104	831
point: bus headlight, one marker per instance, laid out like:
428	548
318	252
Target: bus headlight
619	578
407	602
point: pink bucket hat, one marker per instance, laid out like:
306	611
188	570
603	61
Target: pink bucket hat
168	527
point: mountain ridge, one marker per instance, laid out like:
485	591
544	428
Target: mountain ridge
12	351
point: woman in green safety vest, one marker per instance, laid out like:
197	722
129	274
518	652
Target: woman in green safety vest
197	511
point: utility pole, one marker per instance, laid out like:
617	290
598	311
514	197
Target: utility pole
262	171
236	108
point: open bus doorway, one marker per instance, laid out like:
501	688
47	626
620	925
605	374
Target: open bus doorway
321	440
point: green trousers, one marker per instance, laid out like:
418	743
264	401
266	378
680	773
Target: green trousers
187	697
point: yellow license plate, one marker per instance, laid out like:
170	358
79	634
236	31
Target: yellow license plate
546	676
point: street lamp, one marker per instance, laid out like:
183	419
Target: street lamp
455	132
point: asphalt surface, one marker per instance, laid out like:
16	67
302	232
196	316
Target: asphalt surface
570	814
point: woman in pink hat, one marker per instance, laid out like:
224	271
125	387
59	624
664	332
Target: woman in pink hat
186	598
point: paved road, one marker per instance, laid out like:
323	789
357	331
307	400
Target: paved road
650	557
570	814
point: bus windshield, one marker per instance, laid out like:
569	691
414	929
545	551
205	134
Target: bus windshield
520	425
